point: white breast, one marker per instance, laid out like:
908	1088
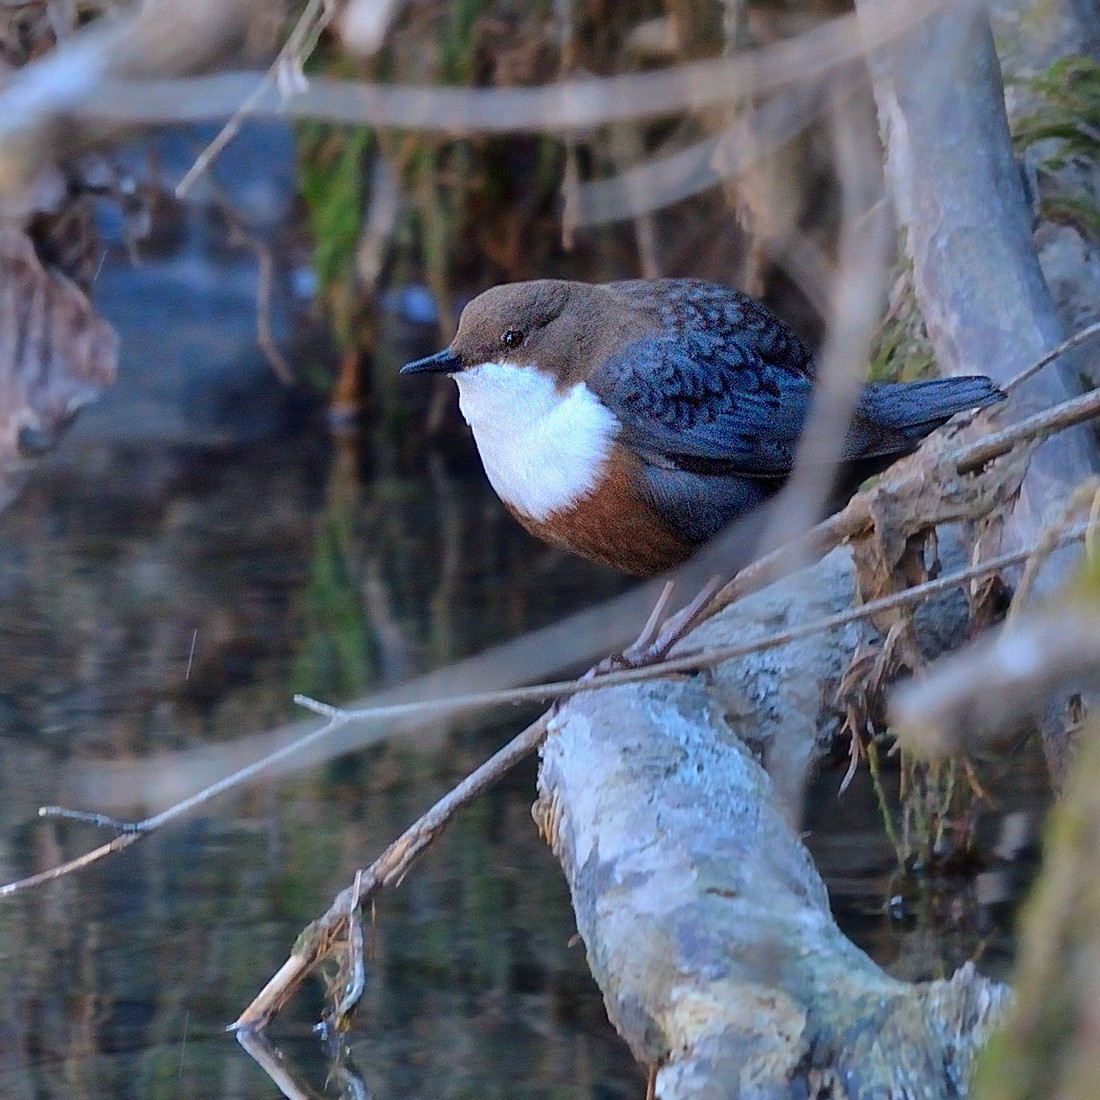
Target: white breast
542	450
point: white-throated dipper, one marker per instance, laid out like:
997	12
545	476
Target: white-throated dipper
629	422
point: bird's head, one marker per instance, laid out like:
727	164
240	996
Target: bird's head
547	326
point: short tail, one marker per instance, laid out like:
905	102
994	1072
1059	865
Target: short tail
913	409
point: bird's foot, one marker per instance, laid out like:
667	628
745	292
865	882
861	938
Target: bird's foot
658	636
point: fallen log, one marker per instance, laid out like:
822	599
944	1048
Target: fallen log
708	928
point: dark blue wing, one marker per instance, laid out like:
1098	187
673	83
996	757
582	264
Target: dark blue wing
705	407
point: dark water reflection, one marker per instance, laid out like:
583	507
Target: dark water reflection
119	981
193	555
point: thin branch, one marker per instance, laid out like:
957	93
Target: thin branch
136	830
290	59
315	943
554	108
846	524
1076	410
282	1071
100	821
124	840
652	626
1078	338
693	662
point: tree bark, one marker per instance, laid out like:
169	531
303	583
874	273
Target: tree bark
708	928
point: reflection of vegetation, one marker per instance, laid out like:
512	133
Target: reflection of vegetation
1070	119
337	659
936	802
335	662
938	807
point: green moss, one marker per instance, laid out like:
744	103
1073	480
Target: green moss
902	352
1069	121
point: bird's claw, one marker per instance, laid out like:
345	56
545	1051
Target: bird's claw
657	640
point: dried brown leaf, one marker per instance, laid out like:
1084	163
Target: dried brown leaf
917	494
56	355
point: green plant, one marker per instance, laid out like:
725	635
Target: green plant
1069	119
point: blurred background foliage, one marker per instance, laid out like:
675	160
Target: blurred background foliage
397	209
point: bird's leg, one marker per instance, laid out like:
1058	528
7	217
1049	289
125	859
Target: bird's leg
645	639
682	623
656	639
652	626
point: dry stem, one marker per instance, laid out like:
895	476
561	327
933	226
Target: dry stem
315	943
290	59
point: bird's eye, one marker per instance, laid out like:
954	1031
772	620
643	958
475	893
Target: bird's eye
512	338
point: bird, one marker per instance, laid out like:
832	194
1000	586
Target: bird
629	422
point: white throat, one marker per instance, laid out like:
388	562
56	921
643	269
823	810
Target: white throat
542	450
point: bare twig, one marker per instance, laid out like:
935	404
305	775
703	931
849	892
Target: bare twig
285	73
1076	410
855	289
133	831
100	821
556	108
684	621
242	234
123	840
1071	342
317	940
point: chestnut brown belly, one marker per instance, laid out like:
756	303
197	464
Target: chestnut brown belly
614	525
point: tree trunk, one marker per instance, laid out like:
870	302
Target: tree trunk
976	272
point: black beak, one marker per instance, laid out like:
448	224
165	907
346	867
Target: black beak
443	362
